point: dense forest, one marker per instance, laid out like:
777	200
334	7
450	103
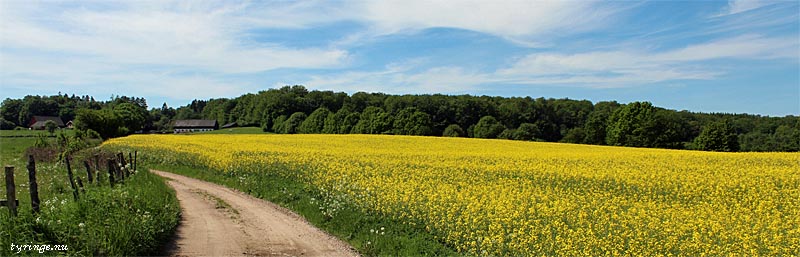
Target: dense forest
297	110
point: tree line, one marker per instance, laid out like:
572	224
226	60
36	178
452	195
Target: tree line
119	116
295	109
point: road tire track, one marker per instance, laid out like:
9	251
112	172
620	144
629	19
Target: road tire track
261	228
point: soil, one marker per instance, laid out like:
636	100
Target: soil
218	221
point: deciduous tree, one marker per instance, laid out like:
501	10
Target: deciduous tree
488	127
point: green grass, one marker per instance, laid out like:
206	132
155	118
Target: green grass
242	130
12	148
349	224
33	133
133	218
219	203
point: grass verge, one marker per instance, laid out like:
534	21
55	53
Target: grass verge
240	130
133	218
370	233
34	133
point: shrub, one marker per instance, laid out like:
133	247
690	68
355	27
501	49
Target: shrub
508	134
454	130
488	127
51	126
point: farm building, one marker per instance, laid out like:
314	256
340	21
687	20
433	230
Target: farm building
183	126
37	122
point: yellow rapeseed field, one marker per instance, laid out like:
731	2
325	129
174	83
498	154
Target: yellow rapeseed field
500	197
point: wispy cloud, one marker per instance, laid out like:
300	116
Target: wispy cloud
625	68
600	69
176	87
200	49
739	6
527	22
741	47
176	50
73	43
182	36
401	78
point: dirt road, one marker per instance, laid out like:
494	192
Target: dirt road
218	221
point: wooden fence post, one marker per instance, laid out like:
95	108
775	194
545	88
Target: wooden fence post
135	158
123	165
34	186
80	184
71	180
111	172
97	163
88	171
121	158
11	191
118	171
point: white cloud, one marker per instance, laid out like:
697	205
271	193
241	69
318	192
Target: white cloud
523	22
624	68
599	69
293	14
399	78
739	6
183	36
192	49
179	87
213	36
162	50
86	77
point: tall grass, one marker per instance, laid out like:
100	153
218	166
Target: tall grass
130	219
133	218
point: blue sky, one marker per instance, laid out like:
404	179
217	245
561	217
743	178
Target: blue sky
706	56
